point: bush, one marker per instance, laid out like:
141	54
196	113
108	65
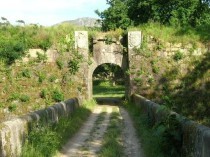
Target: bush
60	64
14	96
41	77
12	107
44	93
178	56
45	140
24	98
26	73
52	78
57	95
41	57
10	50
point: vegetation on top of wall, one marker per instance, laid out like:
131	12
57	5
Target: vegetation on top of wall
16	40
180	82
158	140
185	35
177	75
46	140
191	92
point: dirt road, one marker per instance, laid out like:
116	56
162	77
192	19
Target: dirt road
89	140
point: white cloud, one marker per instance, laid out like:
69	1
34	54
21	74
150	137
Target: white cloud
48	12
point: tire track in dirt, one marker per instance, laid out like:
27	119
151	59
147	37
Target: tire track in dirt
88	140
131	142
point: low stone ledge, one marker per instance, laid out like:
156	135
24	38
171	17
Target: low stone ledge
13	132
196	137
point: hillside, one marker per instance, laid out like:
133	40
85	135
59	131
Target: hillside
84	21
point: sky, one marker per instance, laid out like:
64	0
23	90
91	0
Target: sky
49	12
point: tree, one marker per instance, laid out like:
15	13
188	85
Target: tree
123	13
173	12
115	16
110	72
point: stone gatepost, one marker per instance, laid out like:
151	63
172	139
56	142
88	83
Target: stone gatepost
81	44
134	42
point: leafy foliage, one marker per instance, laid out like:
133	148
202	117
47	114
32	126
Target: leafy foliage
74	63
110	72
178	56
123	13
12	44
169	129
57	95
115	16
44	140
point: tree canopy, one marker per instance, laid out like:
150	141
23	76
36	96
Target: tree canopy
123	13
116	16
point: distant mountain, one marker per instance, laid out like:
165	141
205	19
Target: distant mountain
85	21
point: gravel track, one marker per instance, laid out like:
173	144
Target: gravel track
88	140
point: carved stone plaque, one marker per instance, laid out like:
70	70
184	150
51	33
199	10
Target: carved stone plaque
81	39
134	39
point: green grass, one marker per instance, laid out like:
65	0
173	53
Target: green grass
107	90
173	34
99	120
112	144
150	142
45	141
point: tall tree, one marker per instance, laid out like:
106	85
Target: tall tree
122	13
115	16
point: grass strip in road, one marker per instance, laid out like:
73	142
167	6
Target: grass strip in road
45	141
150	142
93	131
112	142
99	120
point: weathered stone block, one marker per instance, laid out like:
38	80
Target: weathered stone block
196	137
14	132
134	39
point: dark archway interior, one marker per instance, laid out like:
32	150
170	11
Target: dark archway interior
108	81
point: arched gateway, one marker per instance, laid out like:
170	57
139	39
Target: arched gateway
105	51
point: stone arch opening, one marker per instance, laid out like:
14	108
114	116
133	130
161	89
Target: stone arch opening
112	52
108	80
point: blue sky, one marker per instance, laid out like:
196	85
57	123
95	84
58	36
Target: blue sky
49	12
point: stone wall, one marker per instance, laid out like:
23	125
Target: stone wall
14	132
196	137
174	74
51	55
151	62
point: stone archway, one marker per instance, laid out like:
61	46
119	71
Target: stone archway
105	52
108	80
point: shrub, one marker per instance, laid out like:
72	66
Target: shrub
13	96
52	78
12	107
41	57
11	49
60	64
57	95
26	73
178	56
138	81
45	140
2	105
44	93
41	77
24	98
73	66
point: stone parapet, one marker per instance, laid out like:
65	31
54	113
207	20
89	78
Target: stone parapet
196	137
14	132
